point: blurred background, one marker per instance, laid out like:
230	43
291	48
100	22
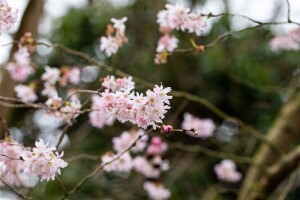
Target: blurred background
240	75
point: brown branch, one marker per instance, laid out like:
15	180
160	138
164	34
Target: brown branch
15	191
277	173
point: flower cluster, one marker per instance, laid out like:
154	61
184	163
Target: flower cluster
126	105
65	110
12	168
20	69
289	41
226	171
150	165
175	17
8	16
53	75
119	84
44	161
111	43
25	93
20	164
203	127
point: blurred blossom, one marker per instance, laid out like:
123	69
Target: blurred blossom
203	127
156	191
226	171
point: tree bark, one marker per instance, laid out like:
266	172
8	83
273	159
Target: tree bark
284	132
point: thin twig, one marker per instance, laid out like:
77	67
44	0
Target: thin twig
14	190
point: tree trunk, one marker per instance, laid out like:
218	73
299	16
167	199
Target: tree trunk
284	132
29	23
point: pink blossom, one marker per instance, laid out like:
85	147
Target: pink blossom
71	75
25	93
123	164
167	43
51	75
66	112
144	167
44	161
20	69
119	84
204	127
126	139
156	191
74	75
167	128
8	16
109	45
157	146
173	17
226	171
119	24
49	90
195	23
11	166
126	105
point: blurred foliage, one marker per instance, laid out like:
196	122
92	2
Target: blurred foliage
235	75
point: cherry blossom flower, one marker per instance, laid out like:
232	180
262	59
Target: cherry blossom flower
156	146
126	105
25	93
71	75
119	84
195	23
203	127
119	24
109	45
123	164
226	171
20	69
51	75
44	161
49	90
66	112
144	167
167	43
8	16
11	165
156	191
150	168
126	139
